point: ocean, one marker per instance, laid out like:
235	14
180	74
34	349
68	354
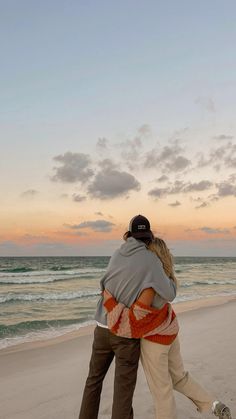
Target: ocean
43	297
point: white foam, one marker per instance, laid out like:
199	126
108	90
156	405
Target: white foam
71	295
43	335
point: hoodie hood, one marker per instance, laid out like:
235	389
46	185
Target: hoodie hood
132	246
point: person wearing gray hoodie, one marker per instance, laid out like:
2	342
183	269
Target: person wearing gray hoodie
132	268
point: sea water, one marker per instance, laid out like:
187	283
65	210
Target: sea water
42	297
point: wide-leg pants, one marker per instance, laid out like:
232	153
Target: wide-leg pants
164	370
126	351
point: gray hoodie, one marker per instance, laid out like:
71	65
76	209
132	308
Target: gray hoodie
131	269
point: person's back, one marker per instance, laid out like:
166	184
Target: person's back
160	348
132	268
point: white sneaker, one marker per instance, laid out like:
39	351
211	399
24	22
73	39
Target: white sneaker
221	410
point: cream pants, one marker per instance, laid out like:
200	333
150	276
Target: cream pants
164	370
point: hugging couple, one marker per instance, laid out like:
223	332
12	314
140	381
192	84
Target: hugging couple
136	320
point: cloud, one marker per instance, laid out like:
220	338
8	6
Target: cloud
158	155
181	187
108	164
202	205
176	187
214	156
144	130
80	233
175	204
131	151
206	103
162	178
158	192
207	246
226	189
210	230
8	248
178	164
98	226
167	158
224	155
30	193
213	198
74	168
78	198
230	159
223	137
110	183
203	185
70	233
102	145
30	237
127	151
232	177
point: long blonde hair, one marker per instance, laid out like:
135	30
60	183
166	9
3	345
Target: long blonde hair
159	247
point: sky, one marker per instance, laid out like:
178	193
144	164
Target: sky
111	109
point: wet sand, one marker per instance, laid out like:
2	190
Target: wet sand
45	380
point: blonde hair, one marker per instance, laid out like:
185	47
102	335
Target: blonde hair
159	247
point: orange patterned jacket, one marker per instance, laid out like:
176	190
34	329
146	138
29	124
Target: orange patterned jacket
141	321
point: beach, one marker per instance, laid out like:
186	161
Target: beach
45	379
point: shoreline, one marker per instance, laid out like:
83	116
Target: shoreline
45	380
87	330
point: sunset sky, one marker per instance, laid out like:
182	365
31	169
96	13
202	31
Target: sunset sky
111	109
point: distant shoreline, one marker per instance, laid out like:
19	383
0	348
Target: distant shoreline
87	329
46	379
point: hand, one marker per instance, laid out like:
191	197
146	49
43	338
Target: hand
107	294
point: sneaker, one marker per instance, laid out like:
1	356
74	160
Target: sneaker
221	410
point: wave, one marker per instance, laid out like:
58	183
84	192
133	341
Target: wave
22	327
17	270
73	295
19	281
11	335
35	280
188	284
25	269
81	271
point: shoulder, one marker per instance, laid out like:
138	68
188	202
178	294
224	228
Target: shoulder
114	255
152	257
152	261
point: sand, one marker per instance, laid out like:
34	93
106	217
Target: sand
45	380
